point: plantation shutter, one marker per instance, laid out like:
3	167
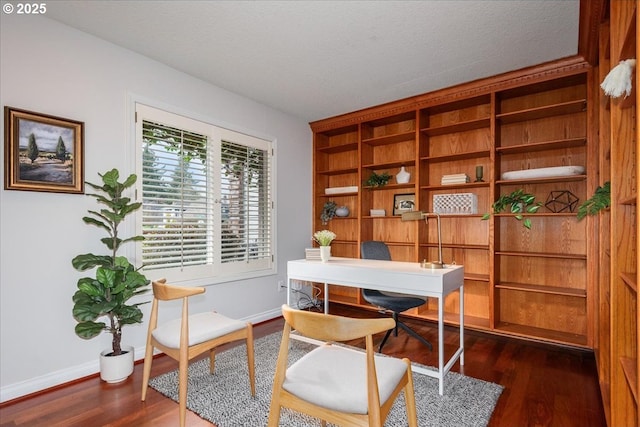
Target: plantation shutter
176	222
207	210
245	188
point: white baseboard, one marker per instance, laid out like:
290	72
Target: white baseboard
53	379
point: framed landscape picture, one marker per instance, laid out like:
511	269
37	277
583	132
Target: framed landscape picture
42	152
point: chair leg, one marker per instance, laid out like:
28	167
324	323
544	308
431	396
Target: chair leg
146	370
212	361
410	398
415	335
250	359
183	371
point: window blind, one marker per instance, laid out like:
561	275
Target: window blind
207	207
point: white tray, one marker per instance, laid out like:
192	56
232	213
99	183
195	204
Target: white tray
544	172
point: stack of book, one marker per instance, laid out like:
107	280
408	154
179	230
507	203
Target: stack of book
458	178
312	254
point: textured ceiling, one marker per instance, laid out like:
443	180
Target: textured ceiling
317	59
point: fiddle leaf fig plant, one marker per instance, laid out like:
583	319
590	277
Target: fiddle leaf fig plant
116	280
518	202
601	199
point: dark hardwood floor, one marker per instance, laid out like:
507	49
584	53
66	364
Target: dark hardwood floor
544	385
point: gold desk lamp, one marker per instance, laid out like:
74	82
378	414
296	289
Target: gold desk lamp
419	215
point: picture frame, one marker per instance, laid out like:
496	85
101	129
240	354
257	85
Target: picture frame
43	152
403	203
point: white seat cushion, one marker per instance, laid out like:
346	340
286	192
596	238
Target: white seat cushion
202	327
336	378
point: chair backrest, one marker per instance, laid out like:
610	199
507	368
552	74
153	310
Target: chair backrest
373	249
327	327
165	292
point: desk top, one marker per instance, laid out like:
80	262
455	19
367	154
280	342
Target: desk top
392	276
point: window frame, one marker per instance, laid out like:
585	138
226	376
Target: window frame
216	271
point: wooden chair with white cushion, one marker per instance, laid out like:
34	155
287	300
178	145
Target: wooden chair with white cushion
336	384
191	335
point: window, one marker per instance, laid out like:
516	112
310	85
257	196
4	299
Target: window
207	209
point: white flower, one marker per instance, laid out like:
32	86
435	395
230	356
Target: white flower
324	237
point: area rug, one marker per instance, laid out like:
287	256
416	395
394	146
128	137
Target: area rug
224	397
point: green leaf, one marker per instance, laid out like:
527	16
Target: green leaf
130	181
111	178
87	261
107	277
89	330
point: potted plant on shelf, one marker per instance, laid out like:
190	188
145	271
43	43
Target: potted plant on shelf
376	180
601	199
116	280
518	203
328	212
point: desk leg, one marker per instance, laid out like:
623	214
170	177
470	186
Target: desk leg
326	298
462	324
441	345
289	292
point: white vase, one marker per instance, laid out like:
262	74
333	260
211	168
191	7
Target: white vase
114	369
325	253
403	176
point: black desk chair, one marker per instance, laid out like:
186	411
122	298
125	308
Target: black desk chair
395	303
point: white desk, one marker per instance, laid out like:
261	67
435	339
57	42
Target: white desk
391	276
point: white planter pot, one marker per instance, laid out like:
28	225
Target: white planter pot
114	369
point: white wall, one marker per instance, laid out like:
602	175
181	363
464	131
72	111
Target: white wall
49	68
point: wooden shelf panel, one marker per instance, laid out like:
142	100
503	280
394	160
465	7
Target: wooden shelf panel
455	186
542	146
476	277
543	112
390	139
353	146
628	49
541	255
629	201
457	127
331	172
543	334
331	196
389	187
629	367
631	280
453	319
455	246
394	164
458	156
570	292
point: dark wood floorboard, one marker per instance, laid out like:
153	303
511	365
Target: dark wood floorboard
544	385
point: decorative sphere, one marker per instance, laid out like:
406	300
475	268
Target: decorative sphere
342	211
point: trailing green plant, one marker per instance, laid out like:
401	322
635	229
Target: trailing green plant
116	279
328	212
518	202
378	180
601	199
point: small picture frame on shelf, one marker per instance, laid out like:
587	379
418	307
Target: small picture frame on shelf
403	203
